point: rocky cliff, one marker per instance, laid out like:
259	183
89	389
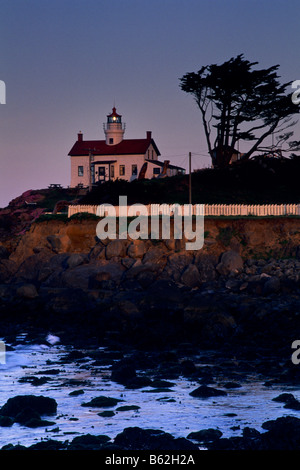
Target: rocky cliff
243	285
250	237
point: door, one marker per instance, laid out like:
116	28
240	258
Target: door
101	173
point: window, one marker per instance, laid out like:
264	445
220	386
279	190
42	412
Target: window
80	171
122	170
111	140
156	171
112	171
134	170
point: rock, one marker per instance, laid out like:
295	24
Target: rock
35	381
88	442
67	301
49	444
55	242
164	290
39	404
123	372
283	434
232	385
205	435
75	259
205	392
127	262
6	421
218	326
97	252
75	393
155	255
30	268
271	286
102	402
128	408
188	367
231	262
292	404
251	433
284	397
96	279
136	249
138	382
116	248
128	308
106	414
31	418
135	438
8	268
158	383
177	262
206	265
27	291
4	253
191	277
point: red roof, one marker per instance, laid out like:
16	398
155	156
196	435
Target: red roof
99	147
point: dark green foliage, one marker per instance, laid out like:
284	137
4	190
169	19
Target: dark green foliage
258	181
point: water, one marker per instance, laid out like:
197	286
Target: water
172	411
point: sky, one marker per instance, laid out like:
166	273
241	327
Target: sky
65	63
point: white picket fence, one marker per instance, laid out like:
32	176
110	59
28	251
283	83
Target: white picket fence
215	210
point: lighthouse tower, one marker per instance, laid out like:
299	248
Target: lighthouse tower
114	128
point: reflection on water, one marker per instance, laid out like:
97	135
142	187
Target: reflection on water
173	410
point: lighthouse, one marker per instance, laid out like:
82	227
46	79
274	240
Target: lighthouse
114	128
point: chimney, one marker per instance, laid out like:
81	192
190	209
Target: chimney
79	136
149	133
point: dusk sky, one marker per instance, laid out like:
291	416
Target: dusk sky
66	62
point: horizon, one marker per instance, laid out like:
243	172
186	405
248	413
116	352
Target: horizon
66	64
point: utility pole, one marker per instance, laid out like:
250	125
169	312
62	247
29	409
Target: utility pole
190	178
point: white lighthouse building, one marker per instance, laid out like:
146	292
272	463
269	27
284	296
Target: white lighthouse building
96	161
113	128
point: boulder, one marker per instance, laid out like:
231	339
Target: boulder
67	300
271	286
8	269
88	442
30	268
54	242
39	404
191	277
102	402
75	259
231	262
97	252
134	438
27	291
123	372
205	392
116	248
136	249
218	326
155	255
205	435
4	253
206	265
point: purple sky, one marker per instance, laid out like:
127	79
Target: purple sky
65	63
